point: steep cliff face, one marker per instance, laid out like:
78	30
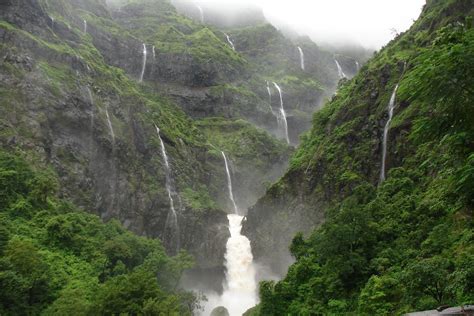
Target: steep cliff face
390	235
65	107
344	148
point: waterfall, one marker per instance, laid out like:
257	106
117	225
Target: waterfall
153	52
282	116
201	13
240	288
171	224
52	23
109	123
301	57
143	63
229	184
230	41
357	65
391	106
339	70
85	26
270	97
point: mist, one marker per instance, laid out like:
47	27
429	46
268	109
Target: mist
370	23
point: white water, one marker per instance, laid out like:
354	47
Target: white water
230	41
339	70
153	52
282	121
357	65
240	286
201	13
85	26
301	57
172	218
143	63
229	184
109	123
391	106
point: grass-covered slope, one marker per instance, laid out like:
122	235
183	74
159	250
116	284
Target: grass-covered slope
58	260
405	243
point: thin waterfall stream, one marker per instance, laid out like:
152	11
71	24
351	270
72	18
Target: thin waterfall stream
230	41
391	106
282	117
143	63
171	225
339	70
301	57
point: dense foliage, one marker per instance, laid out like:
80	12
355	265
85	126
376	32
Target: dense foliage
407	243
56	260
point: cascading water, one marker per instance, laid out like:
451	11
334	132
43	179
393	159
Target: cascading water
282	117
201	13
85	26
391	106
153	52
143	63
109	123
229	184
357	65
339	70
171	225
240	286
301	57
230	41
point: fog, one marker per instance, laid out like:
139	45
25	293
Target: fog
371	23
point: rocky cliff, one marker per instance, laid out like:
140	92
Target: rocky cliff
383	234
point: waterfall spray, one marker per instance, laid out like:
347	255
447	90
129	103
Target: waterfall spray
282	117
143	63
391	106
301	57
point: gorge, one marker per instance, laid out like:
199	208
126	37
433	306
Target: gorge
158	158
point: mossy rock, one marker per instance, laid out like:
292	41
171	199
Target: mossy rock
220	311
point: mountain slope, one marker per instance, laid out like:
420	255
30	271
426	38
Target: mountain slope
392	246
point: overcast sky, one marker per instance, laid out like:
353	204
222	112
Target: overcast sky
368	22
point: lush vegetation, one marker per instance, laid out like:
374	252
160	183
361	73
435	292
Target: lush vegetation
56	260
405	244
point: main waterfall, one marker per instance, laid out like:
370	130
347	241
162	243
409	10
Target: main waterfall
282	117
171	225
240	286
391	106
